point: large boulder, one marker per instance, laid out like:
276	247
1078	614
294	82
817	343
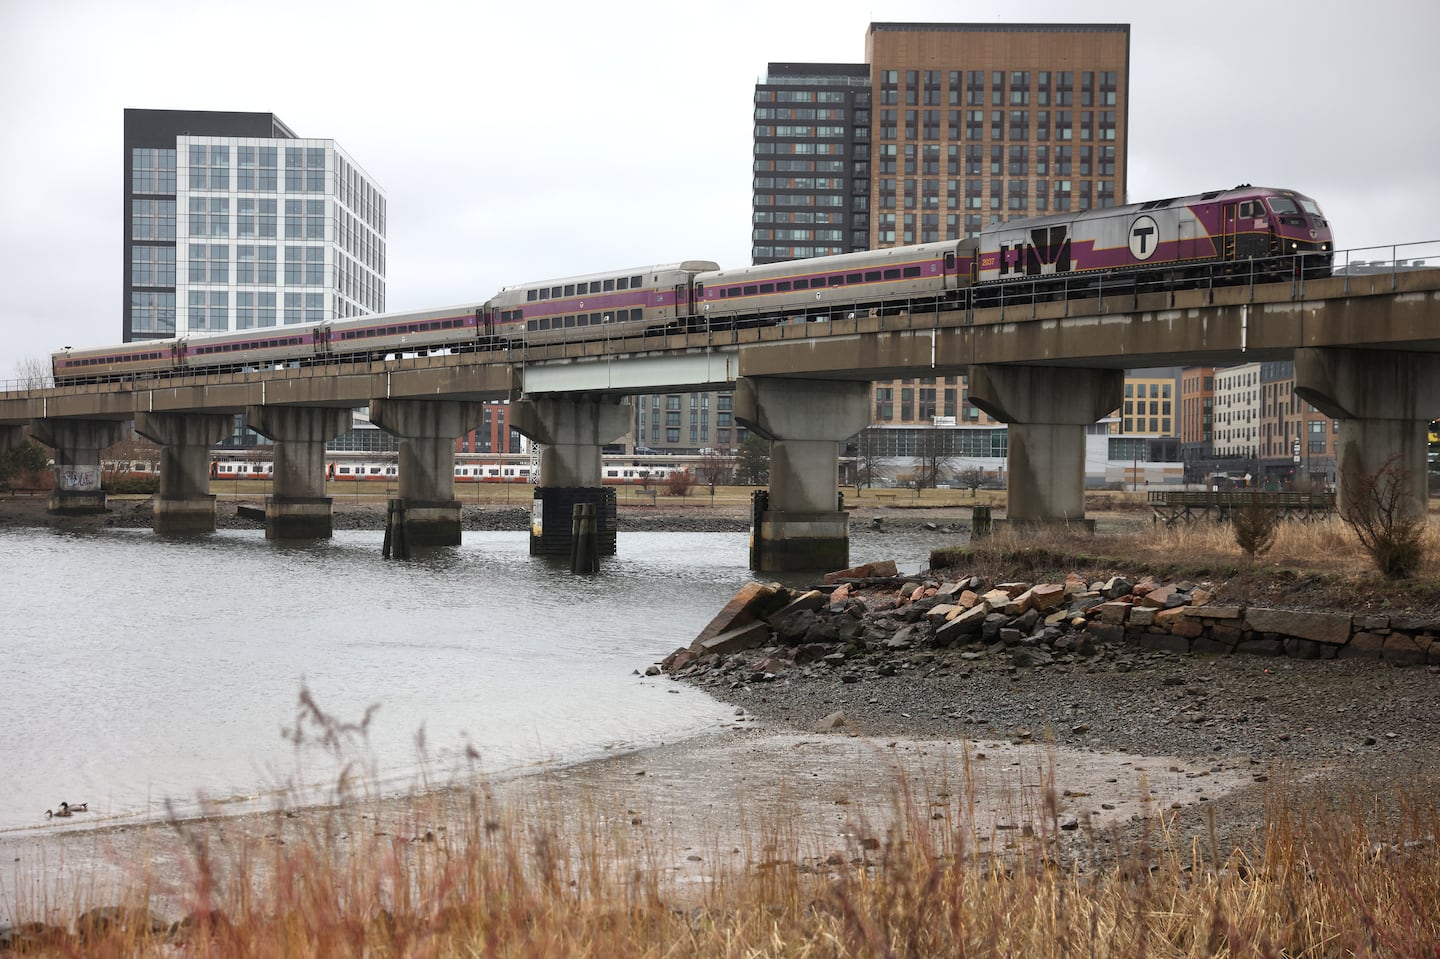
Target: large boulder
753	603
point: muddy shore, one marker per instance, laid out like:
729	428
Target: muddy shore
1124	741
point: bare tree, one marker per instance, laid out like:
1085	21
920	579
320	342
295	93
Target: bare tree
933	461
1379	508
714	468
33	373
871	468
971	478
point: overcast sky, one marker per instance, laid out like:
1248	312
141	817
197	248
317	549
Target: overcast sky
519	141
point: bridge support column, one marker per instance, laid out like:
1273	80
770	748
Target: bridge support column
571	431
1384	401
427	430
1047	410
802	526
299	508
77	445
10	437
185	503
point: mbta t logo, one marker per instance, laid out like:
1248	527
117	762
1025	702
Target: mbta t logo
1047	251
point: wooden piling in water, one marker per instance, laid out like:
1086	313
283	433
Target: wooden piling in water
584	543
395	546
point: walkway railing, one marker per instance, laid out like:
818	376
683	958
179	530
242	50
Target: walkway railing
1188	506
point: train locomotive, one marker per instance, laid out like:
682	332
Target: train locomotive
1244	234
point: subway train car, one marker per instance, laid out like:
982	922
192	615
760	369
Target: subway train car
1252	229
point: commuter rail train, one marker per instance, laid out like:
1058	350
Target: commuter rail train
1245	234
468	469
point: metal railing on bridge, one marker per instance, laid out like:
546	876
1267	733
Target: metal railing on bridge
1079	293
1189	506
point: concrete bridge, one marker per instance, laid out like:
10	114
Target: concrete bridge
1366	349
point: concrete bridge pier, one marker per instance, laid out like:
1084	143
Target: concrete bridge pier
77	445
185	503
1047	410
571	430
1385	401
299	508
802	526
427	430
10	437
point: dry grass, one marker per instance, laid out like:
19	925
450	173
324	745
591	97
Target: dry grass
524	882
1311	563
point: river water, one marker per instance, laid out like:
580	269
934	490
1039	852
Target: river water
142	674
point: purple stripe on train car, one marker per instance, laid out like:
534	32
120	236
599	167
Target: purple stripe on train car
599	303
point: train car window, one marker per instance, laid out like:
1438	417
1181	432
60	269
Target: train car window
635	282
531	295
893	273
853	278
782	287
532	326
544	322
609	285
912	271
555	291
751	290
545	294
569	289
872	276
623	283
802	284
767	287
582	319
569	322
836	280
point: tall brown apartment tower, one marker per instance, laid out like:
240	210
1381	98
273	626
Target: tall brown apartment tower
981	123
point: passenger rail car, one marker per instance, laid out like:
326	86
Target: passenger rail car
815	289
1248	233
342	470
599	304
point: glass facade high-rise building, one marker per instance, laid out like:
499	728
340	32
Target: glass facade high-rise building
233	222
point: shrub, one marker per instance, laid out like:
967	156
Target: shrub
1255	525
679	483
1379	509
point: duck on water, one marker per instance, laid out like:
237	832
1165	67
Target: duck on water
67	809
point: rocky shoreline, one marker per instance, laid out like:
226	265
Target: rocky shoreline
947	659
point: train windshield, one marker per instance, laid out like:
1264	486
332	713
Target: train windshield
1283	204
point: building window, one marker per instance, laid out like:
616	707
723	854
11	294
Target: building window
152	171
